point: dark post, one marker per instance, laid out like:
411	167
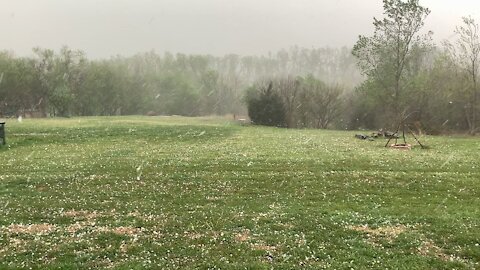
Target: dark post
2	133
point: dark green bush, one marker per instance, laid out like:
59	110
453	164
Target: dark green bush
265	107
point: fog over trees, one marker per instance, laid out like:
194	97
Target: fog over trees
398	69
66	83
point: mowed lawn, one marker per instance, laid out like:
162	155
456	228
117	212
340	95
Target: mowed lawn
206	193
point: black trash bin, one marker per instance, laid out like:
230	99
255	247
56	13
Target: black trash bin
2	133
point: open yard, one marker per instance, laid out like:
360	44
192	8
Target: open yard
171	192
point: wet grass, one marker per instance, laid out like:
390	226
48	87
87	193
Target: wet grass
153	192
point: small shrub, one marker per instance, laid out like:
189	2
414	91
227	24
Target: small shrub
265	107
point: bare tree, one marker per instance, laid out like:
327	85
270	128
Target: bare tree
323	101
466	52
288	89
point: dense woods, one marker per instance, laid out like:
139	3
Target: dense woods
395	73
66	83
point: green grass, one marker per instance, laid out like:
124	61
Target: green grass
170	192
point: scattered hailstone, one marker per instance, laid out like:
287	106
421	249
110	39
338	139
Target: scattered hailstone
139	172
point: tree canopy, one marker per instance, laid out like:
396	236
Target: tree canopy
384	57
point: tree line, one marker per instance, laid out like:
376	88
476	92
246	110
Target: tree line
407	80
396	74
67	83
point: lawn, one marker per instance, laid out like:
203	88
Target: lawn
206	193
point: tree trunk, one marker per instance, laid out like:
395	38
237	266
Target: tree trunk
473	126
474	108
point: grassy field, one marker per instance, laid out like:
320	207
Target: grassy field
159	192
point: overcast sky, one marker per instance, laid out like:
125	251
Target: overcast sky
103	28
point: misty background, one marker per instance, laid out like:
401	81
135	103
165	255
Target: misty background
212	57
247	27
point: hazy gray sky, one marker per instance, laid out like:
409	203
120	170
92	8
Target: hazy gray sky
103	28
